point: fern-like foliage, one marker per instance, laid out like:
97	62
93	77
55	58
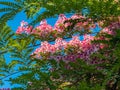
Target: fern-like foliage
10	9
6	69
98	8
21	50
18	49
2	68
6	36
111	54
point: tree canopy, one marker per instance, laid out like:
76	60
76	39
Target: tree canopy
88	64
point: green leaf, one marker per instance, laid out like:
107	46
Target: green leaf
13	63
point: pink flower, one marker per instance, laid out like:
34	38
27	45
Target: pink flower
28	29
22	27
77	16
43	29
59	25
75	41
20	30
60	43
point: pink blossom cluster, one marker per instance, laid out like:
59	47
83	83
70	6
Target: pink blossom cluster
24	27
78	49
111	28
73	49
63	50
59	25
44	30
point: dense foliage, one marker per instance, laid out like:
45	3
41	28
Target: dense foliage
88	64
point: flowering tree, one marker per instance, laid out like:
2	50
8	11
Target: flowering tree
88	64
